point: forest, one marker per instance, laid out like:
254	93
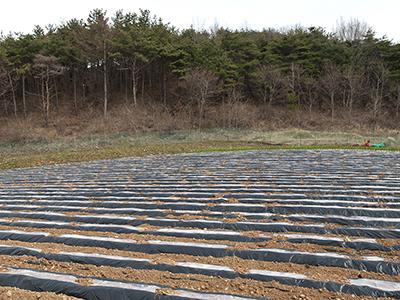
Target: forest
134	66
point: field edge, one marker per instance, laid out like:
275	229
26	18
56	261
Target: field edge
32	158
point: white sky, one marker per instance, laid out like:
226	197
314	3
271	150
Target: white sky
382	15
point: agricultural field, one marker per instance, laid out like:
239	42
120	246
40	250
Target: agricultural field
293	224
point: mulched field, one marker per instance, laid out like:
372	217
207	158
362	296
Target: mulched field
236	225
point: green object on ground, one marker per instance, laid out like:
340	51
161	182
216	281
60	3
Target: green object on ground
381	145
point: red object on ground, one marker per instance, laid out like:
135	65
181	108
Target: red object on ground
367	143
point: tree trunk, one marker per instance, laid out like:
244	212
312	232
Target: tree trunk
5	106
201	109
292	79
133	69
310	101
376	100
164	86
126	85
271	96
142	93
23	95
398	102
84	93
56	94
332	105
43	99
47	96
344	97
203	99
351	100
265	96
105	79
150	81
75	93
13	94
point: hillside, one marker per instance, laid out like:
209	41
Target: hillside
133	72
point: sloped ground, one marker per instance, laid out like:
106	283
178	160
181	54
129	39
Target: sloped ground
256	224
32	151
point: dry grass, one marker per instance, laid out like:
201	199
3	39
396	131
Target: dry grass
31	155
124	118
150	129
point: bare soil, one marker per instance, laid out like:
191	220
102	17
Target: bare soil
202	283
278	241
12	293
238	264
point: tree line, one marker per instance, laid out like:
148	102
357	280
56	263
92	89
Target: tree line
137	58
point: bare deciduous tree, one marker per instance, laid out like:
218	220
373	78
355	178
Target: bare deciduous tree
351	30
354	83
330	84
379	76
22	72
201	84
231	103
310	91
12	88
47	67
270	83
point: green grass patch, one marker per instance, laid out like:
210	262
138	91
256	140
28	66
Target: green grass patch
20	154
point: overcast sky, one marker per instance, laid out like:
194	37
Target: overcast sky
382	15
